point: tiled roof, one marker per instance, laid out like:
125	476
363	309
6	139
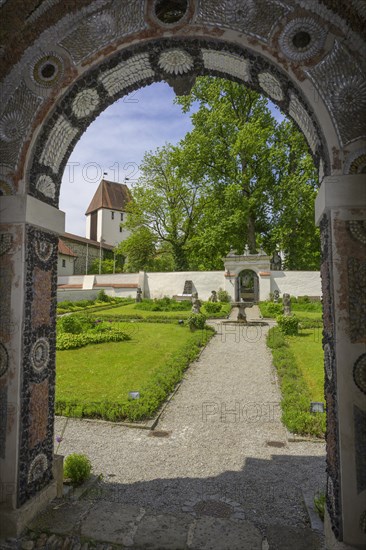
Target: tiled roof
64	249
72	237
110	195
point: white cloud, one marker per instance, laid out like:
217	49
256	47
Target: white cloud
115	143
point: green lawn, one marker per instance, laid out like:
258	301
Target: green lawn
307	348
142	314
94	381
299	363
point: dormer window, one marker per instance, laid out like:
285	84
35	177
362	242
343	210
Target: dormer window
112	215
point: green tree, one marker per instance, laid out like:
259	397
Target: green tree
258	174
163	212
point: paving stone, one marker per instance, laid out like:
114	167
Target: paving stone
282	537
61	520
163	532
223	534
110	522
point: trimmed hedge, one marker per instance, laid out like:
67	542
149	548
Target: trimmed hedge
66	340
296	397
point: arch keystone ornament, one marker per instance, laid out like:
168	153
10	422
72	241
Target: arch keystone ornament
63	63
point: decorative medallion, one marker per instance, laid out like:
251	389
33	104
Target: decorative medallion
357	229
40	354
46	186
37	468
12	126
43	249
175	61
6	240
85	103
47	70
328	361
271	86
359	373
4	360
302	39
350	95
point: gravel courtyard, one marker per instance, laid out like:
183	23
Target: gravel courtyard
220	448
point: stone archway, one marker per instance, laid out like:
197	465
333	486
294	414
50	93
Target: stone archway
60	70
247	286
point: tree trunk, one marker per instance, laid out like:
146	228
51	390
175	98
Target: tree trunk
180	259
251	234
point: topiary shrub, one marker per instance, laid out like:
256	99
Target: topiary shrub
212	307
77	467
70	324
102	296
196	321
288	324
223	295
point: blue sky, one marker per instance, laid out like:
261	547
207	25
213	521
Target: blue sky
116	142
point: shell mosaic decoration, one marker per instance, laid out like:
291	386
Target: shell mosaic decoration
271	86
85	103
47	70
11	126
43	249
302	39
37	468
46	186
40	354
175	61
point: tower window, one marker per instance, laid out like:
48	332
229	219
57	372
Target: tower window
121	217
63	263
112	215
120	229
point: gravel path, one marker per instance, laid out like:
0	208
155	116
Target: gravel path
225	442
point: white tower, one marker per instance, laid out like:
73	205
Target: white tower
106	212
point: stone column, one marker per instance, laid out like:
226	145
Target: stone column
341	214
28	255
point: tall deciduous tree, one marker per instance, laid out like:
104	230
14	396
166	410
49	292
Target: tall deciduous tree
259	175
164	208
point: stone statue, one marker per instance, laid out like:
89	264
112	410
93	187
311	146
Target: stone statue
213	297
196	303
276	296
286	299
138	295
276	262
246	250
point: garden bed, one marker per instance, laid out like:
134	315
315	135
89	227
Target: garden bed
95	381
